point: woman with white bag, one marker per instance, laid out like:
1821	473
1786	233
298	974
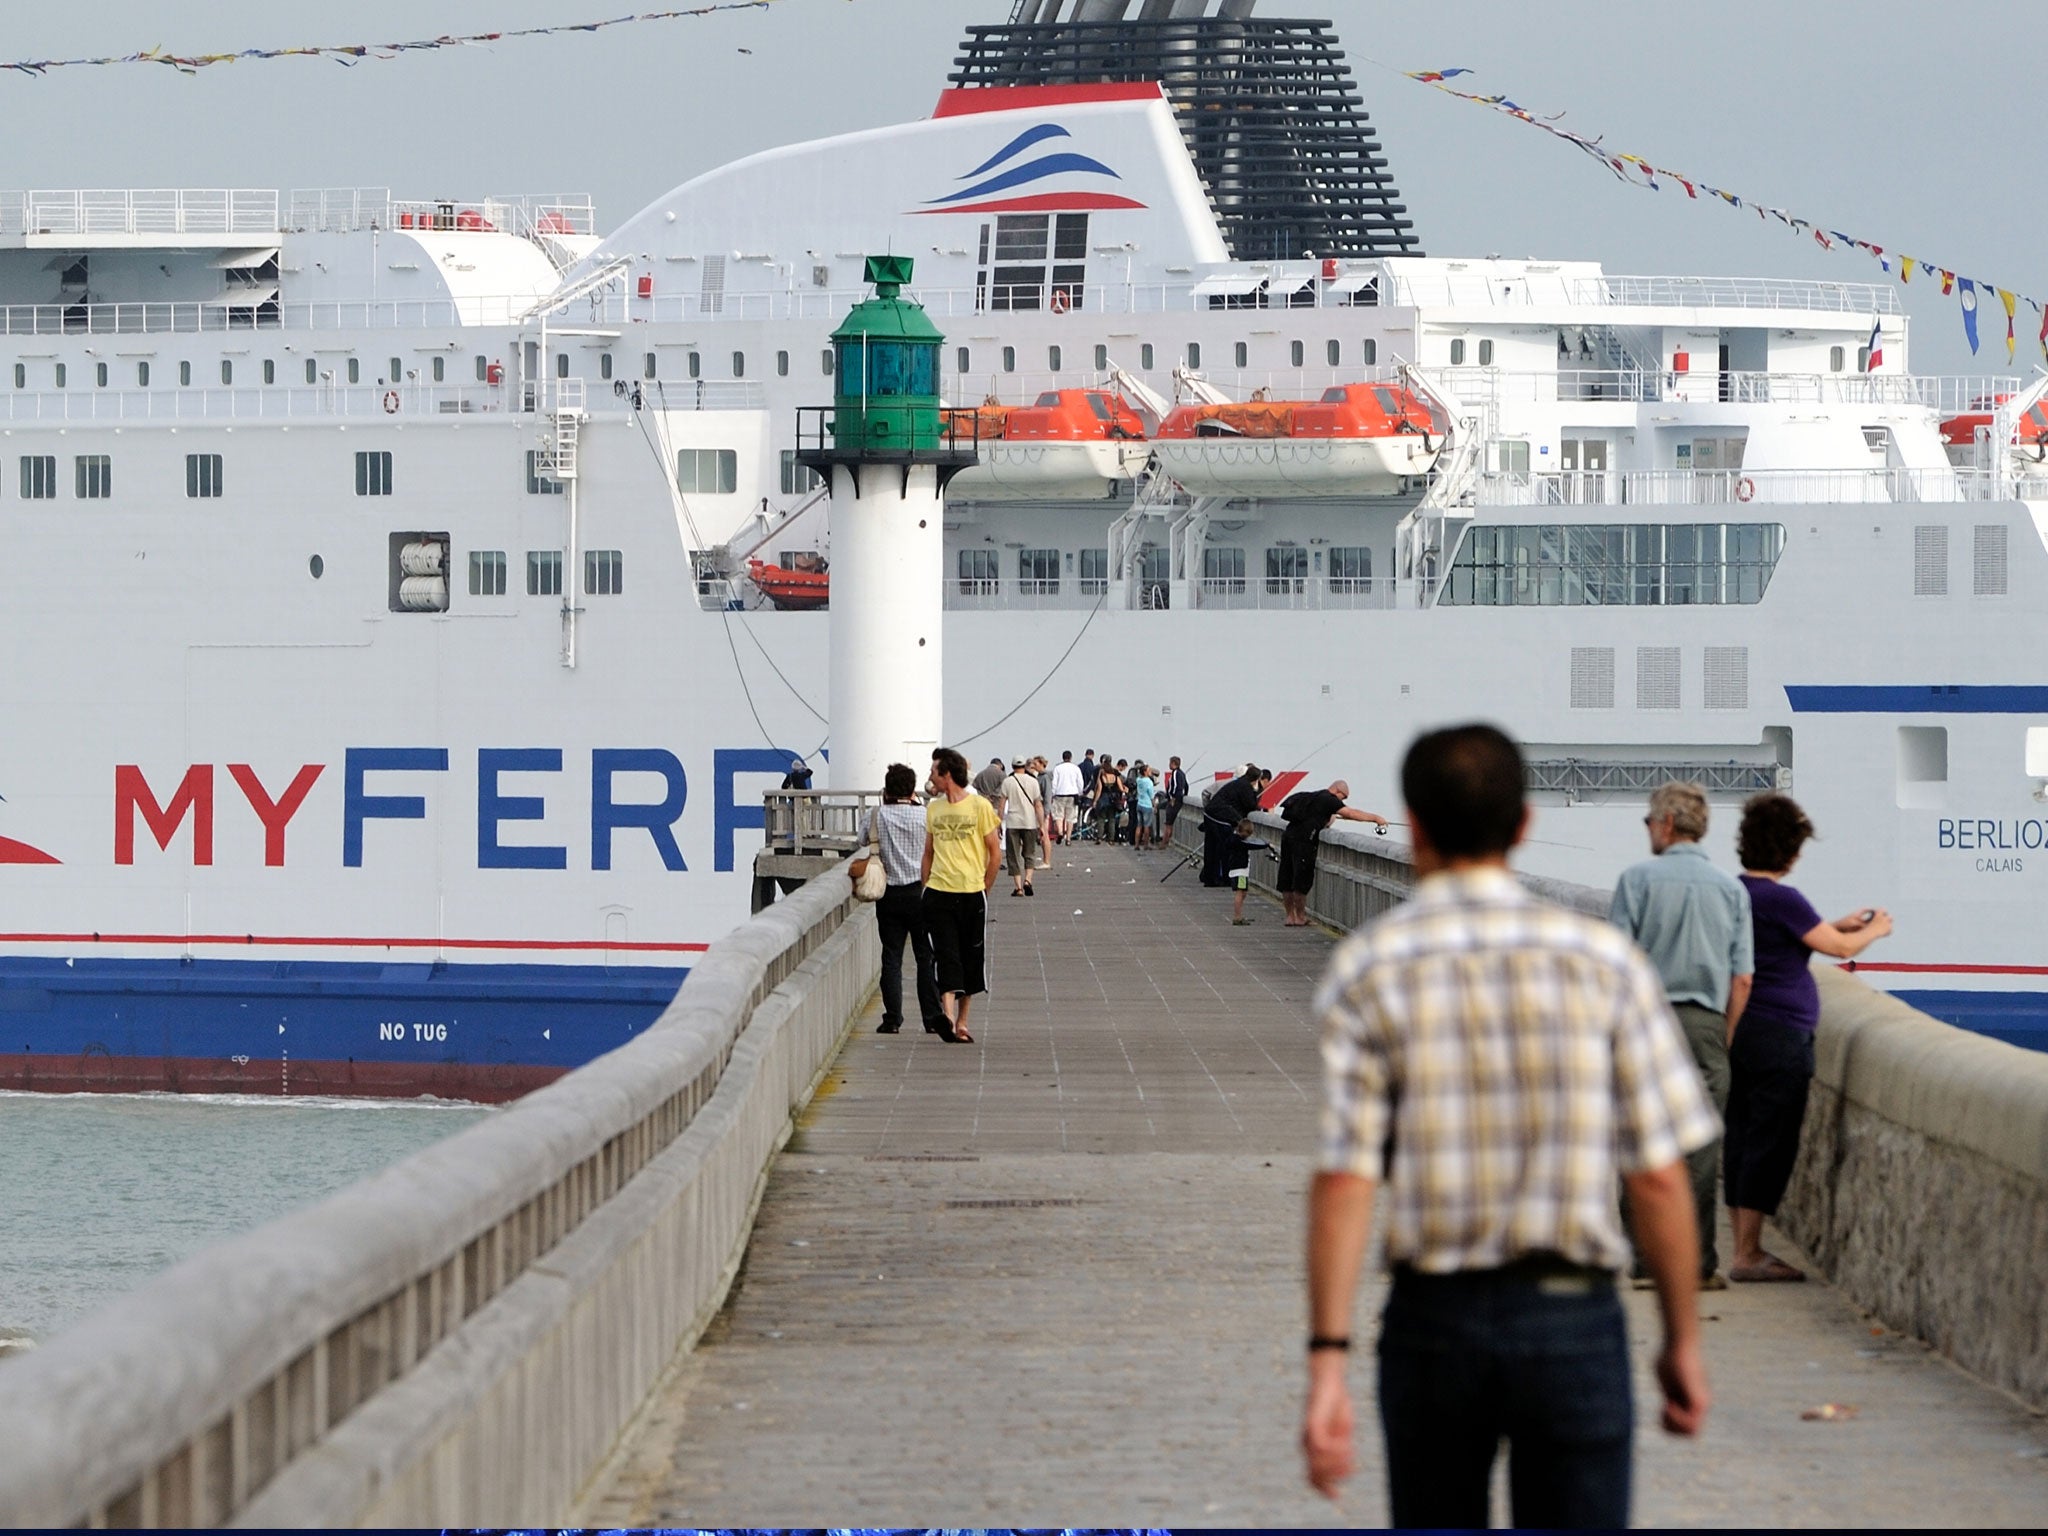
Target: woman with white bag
894	833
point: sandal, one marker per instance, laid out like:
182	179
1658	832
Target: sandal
1773	1270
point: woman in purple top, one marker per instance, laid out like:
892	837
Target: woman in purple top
1771	1058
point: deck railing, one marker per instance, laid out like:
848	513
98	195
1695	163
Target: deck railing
1739	488
141	211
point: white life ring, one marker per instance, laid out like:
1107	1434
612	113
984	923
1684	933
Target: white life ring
1059	301
391	404
1745	489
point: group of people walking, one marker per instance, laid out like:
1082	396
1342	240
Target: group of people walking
1497	1069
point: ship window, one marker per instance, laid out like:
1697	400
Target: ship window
1457	350
227	371
977	568
21	375
960	360
543	573
142	374
797	479
1101	358
355	370
99	372
1614	565
92	477
1333	352
1513	457
1351	569
1286	569
270	369
538	484
1486	353
313	370
739	365
1038	572
1094	572
1242	353
1371	352
694	365
1009	359
1863	359
1145	356
708	471
38	477
202	474
60	375
184	373
561	366
604	366
373	474
1297	354
487	573
782	365
1194	354
604	572
1052	358
483	369
1835	359
1223	570
647	366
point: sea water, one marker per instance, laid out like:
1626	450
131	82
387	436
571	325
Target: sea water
100	1191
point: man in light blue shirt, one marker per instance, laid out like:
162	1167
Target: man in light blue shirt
1693	922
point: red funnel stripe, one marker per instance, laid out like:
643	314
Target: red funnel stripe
1042	202
12	852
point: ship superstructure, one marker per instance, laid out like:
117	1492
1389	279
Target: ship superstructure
389	702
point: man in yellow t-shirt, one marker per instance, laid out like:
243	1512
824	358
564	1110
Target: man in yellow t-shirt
963	849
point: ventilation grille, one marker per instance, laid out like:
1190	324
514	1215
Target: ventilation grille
712	294
1592	677
1930	561
1988	570
1656	677
1727	677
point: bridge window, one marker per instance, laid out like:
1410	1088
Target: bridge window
487	573
202	474
1351	569
1223	570
373	474
38	477
538	484
1038	571
92	477
708	471
977	572
1094	572
604	572
1614	565
543	573
797	479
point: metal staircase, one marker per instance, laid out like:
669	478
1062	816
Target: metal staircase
563	411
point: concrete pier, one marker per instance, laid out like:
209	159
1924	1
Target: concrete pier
1055	1278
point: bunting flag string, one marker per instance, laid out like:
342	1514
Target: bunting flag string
351	54
1635	171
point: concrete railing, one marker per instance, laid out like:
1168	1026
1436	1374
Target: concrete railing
456	1341
1922	1182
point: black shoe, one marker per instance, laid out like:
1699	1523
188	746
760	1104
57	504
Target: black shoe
888	1029
937	1026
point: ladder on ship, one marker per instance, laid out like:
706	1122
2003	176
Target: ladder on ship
556	458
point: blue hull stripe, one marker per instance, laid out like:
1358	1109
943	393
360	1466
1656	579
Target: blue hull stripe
2017	1018
1916	699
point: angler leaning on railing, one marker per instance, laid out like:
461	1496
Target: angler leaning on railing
458	1339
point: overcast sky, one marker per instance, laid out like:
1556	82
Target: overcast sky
1909	124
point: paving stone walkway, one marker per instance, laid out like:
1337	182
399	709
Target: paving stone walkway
1054	1279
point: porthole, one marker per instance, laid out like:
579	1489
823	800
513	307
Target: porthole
317	567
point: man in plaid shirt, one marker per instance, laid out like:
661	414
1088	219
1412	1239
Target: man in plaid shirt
1497	1063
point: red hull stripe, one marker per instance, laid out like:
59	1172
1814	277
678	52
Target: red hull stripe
12	852
1042	202
475	1082
966	101
1909	968
283	941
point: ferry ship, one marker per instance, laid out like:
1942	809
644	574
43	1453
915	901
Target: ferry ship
391	662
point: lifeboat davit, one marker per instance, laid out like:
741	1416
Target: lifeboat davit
1356	440
2030	433
805	585
1066	445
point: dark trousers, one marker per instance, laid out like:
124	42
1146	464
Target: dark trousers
1540	1360
956	921
900	916
1216	836
1707	1033
1770	1069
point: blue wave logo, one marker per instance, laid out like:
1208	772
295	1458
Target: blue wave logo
1029	171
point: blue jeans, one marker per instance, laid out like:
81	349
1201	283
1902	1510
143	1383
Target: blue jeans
1468	1360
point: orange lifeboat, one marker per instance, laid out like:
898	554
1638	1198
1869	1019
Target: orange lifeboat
804	585
1961	431
1356	439
1066	444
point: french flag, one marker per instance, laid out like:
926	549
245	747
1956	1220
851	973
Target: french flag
1876	346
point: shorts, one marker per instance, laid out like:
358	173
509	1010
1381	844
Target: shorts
957	922
1062	808
1020	845
1297	865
